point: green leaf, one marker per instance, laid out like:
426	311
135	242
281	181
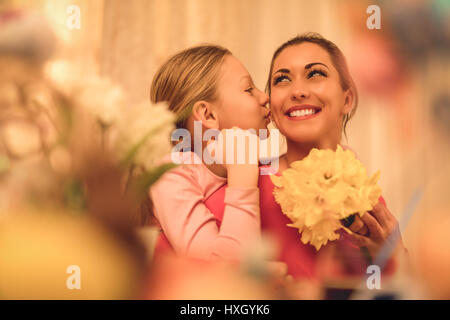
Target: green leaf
74	196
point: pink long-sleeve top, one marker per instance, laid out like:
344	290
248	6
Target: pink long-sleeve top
180	199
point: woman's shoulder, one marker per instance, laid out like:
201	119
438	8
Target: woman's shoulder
272	166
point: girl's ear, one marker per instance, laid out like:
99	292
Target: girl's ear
349	99
205	113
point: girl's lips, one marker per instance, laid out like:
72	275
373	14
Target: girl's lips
267	119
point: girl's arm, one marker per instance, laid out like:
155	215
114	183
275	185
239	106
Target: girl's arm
191	228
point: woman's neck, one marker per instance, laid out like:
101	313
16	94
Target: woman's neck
297	151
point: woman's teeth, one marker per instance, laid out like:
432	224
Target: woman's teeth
301	113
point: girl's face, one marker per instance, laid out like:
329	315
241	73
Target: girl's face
307	100
239	102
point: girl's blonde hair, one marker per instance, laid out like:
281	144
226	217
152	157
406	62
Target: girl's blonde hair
188	77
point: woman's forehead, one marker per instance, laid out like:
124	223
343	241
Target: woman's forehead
299	55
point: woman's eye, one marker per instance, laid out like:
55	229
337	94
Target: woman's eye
279	79
315	73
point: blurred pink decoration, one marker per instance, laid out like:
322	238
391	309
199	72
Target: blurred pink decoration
376	66
26	34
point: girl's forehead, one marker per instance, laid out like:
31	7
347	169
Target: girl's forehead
231	63
233	69
299	55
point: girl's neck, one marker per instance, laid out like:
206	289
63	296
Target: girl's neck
217	169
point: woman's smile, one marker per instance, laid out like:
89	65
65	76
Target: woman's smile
302	112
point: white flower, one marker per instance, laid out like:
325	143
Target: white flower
103	99
21	138
144	128
97	95
147	128
63	75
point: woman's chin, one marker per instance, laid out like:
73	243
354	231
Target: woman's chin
302	136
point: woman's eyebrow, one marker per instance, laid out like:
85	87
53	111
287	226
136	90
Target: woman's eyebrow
309	65
282	71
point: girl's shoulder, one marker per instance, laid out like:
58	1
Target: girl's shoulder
189	170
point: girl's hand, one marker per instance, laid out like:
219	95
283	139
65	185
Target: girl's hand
380	225
230	153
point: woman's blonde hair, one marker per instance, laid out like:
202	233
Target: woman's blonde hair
189	76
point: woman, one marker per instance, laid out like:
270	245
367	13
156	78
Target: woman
312	97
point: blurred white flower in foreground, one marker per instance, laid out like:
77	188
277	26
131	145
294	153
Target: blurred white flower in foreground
97	95
143	134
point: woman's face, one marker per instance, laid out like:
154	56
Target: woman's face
239	102
307	100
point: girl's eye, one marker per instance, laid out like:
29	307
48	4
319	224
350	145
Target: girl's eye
316	72
250	90
279	79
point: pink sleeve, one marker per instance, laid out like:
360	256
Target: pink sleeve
190	227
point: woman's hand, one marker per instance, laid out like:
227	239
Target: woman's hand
357	225
380	226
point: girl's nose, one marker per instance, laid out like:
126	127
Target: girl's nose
263	99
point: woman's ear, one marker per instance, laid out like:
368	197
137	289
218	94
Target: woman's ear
204	112
349	98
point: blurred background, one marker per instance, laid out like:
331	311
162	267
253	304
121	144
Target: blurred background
402	71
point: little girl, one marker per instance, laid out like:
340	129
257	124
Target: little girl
208	84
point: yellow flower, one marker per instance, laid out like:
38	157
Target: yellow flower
323	188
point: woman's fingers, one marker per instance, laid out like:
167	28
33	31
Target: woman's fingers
364	231
381	213
359	240
375	229
358	226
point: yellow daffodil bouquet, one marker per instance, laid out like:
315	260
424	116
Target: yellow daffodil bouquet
316	193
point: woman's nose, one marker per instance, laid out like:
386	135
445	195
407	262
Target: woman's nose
299	93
